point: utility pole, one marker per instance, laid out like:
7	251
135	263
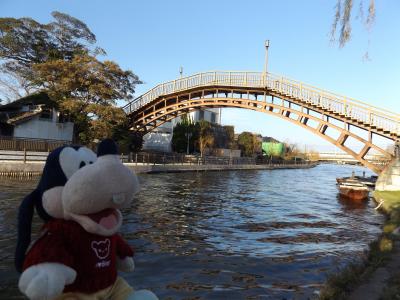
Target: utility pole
189	135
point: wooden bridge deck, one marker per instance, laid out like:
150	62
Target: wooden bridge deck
312	108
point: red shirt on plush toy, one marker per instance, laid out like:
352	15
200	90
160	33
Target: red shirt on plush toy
93	257
79	251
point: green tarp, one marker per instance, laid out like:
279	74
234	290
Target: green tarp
274	149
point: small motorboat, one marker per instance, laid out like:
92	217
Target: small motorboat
354	188
368	181
353	191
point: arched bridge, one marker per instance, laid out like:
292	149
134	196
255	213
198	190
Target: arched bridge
335	118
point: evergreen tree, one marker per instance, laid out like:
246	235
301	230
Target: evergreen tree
60	58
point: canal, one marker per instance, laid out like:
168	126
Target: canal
227	235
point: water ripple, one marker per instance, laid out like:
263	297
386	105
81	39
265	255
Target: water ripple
227	235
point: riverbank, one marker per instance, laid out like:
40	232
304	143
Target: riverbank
17	169
378	275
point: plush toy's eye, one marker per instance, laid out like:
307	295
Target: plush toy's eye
71	160
90	162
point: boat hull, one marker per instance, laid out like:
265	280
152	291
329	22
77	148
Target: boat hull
354	193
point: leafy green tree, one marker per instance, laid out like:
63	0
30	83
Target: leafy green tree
206	136
87	91
60	59
128	140
257	141
24	42
248	143
230	134
223	136
180	137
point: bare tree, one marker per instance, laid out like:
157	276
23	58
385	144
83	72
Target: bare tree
13	86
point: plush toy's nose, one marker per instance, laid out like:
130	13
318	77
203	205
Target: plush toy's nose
107	146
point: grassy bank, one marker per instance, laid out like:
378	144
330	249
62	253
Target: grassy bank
383	254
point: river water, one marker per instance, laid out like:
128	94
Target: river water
273	234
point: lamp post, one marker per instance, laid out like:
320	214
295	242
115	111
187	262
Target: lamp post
266	61
180	71
188	135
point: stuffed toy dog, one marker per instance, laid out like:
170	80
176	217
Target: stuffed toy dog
79	251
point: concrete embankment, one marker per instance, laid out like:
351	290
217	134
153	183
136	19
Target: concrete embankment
31	169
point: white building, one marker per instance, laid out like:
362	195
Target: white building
160	138
35	117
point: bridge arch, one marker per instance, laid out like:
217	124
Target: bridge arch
308	107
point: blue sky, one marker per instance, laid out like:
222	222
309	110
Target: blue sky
154	38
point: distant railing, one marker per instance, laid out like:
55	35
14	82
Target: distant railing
348	107
182	159
143	158
29	144
25	156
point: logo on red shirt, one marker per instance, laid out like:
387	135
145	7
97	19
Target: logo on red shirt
102	248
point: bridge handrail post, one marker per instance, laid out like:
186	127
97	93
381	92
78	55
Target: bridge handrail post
215	77
245	79
301	91
370	117
201	79
230	78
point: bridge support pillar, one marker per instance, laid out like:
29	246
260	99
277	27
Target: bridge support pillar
389	179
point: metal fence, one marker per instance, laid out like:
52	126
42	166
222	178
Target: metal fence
144	158
27	144
163	159
24	156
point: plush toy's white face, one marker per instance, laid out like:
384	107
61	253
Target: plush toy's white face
70	161
95	190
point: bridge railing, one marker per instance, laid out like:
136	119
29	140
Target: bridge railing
345	106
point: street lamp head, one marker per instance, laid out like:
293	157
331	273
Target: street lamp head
266	43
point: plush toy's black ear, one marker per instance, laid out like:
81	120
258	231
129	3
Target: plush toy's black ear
25	215
107	146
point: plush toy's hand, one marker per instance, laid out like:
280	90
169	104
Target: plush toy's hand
125	265
46	280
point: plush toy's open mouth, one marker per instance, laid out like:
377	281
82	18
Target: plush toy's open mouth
105	222
107	218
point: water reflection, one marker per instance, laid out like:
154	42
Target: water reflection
229	235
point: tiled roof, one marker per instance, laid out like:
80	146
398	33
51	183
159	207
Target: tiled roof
24	116
33	99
